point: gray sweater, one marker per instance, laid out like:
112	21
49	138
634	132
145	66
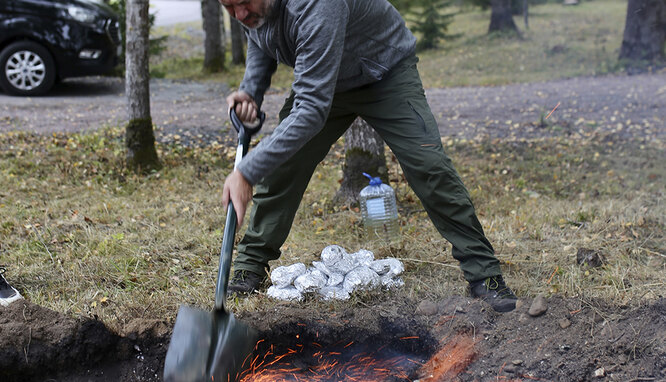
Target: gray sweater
333	46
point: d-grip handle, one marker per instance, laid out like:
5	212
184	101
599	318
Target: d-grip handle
245	132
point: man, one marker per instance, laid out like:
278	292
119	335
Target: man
350	58
7	292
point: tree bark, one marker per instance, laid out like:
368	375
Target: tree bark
644	31
364	152
237	43
501	18
213	48
139	138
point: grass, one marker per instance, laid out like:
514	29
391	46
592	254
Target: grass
83	236
560	42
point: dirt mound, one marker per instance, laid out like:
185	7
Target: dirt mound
573	340
38	344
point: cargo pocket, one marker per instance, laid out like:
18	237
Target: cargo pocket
430	134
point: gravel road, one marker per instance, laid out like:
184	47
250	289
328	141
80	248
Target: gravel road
628	106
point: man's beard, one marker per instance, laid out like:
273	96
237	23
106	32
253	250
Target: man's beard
269	13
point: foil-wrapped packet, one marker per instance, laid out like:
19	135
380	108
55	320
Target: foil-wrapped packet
284	276
387	267
337	293
288	293
310	281
332	254
335	279
391	282
363	257
360	278
344	265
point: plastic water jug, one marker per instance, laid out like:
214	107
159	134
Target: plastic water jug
379	210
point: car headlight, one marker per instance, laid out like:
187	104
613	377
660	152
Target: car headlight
81	15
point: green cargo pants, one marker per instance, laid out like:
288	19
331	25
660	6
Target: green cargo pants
396	107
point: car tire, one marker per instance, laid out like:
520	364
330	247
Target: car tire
26	69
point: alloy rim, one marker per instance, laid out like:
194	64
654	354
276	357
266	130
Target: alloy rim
25	70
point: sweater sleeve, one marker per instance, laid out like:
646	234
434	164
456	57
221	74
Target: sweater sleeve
258	72
318	29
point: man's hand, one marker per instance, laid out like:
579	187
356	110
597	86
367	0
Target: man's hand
246	108
239	191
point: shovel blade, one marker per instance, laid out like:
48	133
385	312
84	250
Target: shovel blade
207	346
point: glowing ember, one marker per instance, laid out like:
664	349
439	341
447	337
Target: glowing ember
451	360
345	361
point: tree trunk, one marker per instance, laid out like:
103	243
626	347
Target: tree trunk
237	43
364	152
139	137
213	52
500	17
644	31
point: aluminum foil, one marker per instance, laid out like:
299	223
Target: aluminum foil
362	257
310	281
337	276
337	293
332	254
288	293
284	276
390	267
360	277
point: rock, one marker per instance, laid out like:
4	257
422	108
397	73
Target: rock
459	309
510	369
427	308
600	372
519	304
517	362
564	323
589	257
538	307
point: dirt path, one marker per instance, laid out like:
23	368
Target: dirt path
630	106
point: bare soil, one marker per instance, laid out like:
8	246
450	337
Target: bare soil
574	340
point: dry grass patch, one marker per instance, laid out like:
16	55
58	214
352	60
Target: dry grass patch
81	235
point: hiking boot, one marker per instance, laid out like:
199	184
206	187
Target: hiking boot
494	291
7	292
246	282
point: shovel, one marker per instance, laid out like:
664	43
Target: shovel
213	346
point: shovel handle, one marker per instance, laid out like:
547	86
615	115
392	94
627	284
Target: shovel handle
244	135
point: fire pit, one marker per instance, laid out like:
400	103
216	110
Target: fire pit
313	352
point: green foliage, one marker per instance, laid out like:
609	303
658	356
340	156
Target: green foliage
156	45
431	24
427	20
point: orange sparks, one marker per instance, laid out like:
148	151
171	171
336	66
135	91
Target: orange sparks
551	112
409	338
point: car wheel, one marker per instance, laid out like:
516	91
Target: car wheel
27	69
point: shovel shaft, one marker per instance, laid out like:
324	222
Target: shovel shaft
244	135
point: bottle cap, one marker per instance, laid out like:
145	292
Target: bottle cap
374	181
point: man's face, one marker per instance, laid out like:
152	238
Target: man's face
252	13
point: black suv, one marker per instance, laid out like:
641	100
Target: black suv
45	40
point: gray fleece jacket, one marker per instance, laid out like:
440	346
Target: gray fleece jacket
333	46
